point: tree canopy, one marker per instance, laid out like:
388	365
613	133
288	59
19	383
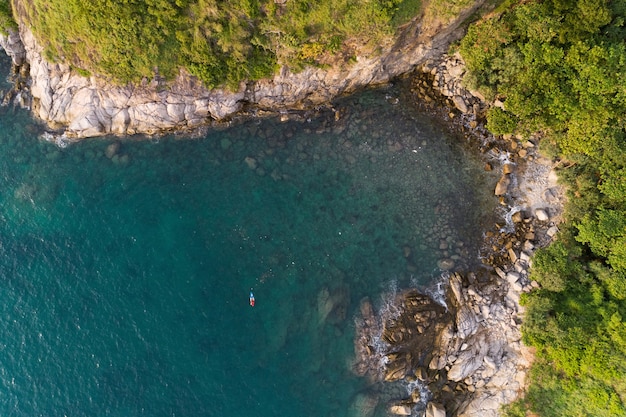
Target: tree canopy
219	41
559	66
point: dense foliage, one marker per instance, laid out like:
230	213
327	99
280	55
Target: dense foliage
559	66
221	42
6	16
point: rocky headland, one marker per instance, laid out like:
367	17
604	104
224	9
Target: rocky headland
81	106
462	354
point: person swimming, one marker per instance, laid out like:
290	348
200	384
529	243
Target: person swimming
251	298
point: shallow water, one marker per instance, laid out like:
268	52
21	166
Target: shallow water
124	279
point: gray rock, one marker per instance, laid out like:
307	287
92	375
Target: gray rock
466	364
466	322
552	231
13	46
460	104
512	277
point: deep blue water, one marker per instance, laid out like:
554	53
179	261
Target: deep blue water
124	280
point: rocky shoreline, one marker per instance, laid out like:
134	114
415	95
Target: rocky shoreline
79	107
466	358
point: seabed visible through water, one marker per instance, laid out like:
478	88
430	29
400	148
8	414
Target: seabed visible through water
126	263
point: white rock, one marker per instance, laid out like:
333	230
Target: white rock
456	286
512	277
489	362
542	215
487	373
250	162
486	312
501	379
149	108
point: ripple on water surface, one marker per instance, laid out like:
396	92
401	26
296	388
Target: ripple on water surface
126	264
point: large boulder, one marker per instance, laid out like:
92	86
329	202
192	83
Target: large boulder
465	365
503	185
466	322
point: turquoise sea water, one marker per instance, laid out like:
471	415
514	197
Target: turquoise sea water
124	279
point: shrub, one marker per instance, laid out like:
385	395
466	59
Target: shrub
559	66
222	43
6	17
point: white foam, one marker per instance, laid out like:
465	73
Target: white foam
437	290
422	387
388	310
509	226
62	141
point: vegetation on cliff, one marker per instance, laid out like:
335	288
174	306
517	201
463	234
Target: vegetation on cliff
559	66
6	16
221	42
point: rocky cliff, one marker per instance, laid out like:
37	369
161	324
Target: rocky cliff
84	107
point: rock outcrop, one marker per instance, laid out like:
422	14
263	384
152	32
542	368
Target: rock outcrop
14	47
470	355
83	107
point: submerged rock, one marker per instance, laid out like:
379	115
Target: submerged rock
363	405
400	410
445	264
